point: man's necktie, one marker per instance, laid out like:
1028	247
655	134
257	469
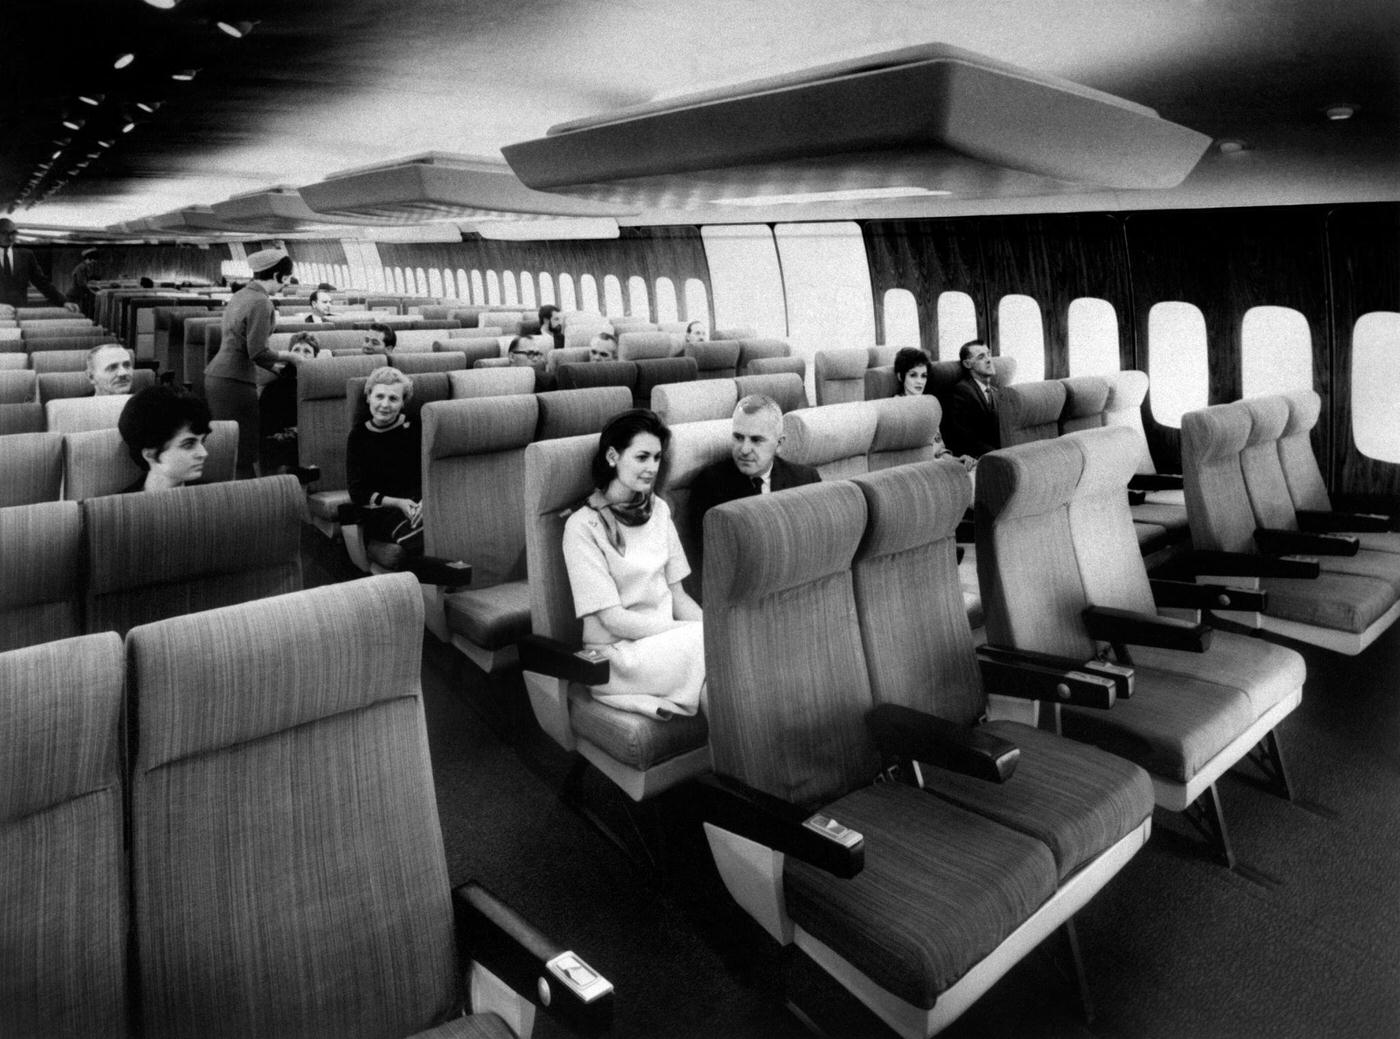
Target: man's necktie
9	271
757	482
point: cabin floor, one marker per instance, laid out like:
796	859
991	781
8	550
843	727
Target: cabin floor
1302	940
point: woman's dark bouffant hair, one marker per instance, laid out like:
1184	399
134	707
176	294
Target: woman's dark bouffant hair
153	416
620	431
905	362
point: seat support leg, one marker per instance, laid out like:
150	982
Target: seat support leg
638	849
1086	1001
1268	756
1207	816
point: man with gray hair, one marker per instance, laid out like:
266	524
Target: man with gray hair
109	369
753	465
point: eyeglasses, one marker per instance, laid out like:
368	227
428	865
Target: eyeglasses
533	355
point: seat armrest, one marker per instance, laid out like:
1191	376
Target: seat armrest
548	656
1244	564
451	574
1130	628
814	838
909	735
1029	675
1192	596
1301	542
1136	496
348	514
491	933
1156	482
305	474
1329	522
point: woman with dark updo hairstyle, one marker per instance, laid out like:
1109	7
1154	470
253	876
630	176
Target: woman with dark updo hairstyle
625	566
164	430
911	368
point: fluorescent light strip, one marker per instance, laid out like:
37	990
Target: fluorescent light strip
846	195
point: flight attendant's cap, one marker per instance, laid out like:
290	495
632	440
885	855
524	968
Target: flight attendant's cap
88	254
265	260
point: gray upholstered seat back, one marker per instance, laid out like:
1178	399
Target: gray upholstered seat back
835	439
97	462
322	427
1295	452
906	430
40	595
1030	411
31	469
1217	501
840	375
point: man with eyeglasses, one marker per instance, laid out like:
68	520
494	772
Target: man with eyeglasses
533	352
970	426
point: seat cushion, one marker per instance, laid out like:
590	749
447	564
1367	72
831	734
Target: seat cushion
1173	725
1172	517
941	889
1342	602
326	504
1264	672
1076	799
491	618
472	1026
1378	540
634	739
1150	537
1384	566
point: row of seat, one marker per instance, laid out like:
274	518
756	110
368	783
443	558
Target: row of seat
225	826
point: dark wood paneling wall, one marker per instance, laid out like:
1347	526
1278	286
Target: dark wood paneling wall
927	257
654	252
160	263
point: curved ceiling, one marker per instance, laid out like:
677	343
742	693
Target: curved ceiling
318	87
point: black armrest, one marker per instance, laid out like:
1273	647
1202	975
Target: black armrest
909	735
548	656
1028	675
816	839
965	532
1329	522
491	933
1244	564
1300	542
1191	596
451	574
1136	497
307	474
1128	627
348	514
1155	482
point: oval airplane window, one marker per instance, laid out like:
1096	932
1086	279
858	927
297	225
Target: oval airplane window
567	300
388	279
1021	334
697	301
478	288
464	292
588	294
409	286
1093	337
637	303
1275	351
1177	368
612	296
435	283
493	289
508	289
343	275
527	290
546	289
957	323
666	309
901	319
399	280
1375	372
421	280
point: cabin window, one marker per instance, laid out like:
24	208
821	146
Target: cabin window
478	288
1093	337
508	289
612	296
697	301
546	288
957	323
464	292
493	289
588	294
1275	351
826	285
435	283
1021	334
567	301
901	318
527	290
666	309
746	278
388	279
637	303
408	286
1375	372
1176	361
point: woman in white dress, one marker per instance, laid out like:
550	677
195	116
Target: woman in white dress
625	566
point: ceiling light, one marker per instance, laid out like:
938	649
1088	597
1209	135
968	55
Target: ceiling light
1231	146
237	30
184	75
94	100
105	144
73	124
148	106
163	5
128	127
1337	113
56	154
849	195
123	61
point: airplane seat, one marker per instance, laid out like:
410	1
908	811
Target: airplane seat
751	348
694	445
1086	400
419	340
422	362
494	360
472	350
775	366
427	324
660	371
491	382
347	925
738	332
638	753
21	418
162	554
75	414
714	360
1030	411
66	360
786	388
906	430
568	413
40	593
598	373
62	840
1061	574
637	344
65	386
13	362
880	355
699	401
31	468
322	430
1163	528
565	355
835	440
96	462
38	346
474	332
840	375
880	382
19	387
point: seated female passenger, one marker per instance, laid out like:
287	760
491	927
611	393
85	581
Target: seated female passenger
382	465
625	567
277	408
164	430
911	368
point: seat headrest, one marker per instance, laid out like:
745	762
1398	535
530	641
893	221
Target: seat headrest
712	355
695	445
597	373
842	364
1029	479
568	413
818	436
325	377
1304	407
1216	433
902	423
698	401
1085	396
1110	459
1269	416
765	544
638	346
784	387
18	387
912	505
452	428
557	472
1126	389
1033	404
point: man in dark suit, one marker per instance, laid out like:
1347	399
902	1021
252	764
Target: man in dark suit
19	269
970	426
320	308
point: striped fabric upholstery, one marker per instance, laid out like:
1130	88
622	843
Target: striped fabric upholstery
67	385
288	872
427	361
906	430
97	462
60	360
474	348
784	387
752	348
40	597
1086	398
599	373
694	445
568	413
76	414
491	382
63	907
428	388
1030	411
12	361
646	345
1263	475
776	366
565	355
714	360
1295	452
1217	502
168	553
737	333
21	418
840	375
783	655
18	387
660	371
835	439
31	468
699	401
1101	526
321	421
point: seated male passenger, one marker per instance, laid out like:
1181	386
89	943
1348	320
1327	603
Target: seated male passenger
164	430
320	308
552	325
603	347
382	464
695	333
533	352
970	424
753	466
110	370
380	339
